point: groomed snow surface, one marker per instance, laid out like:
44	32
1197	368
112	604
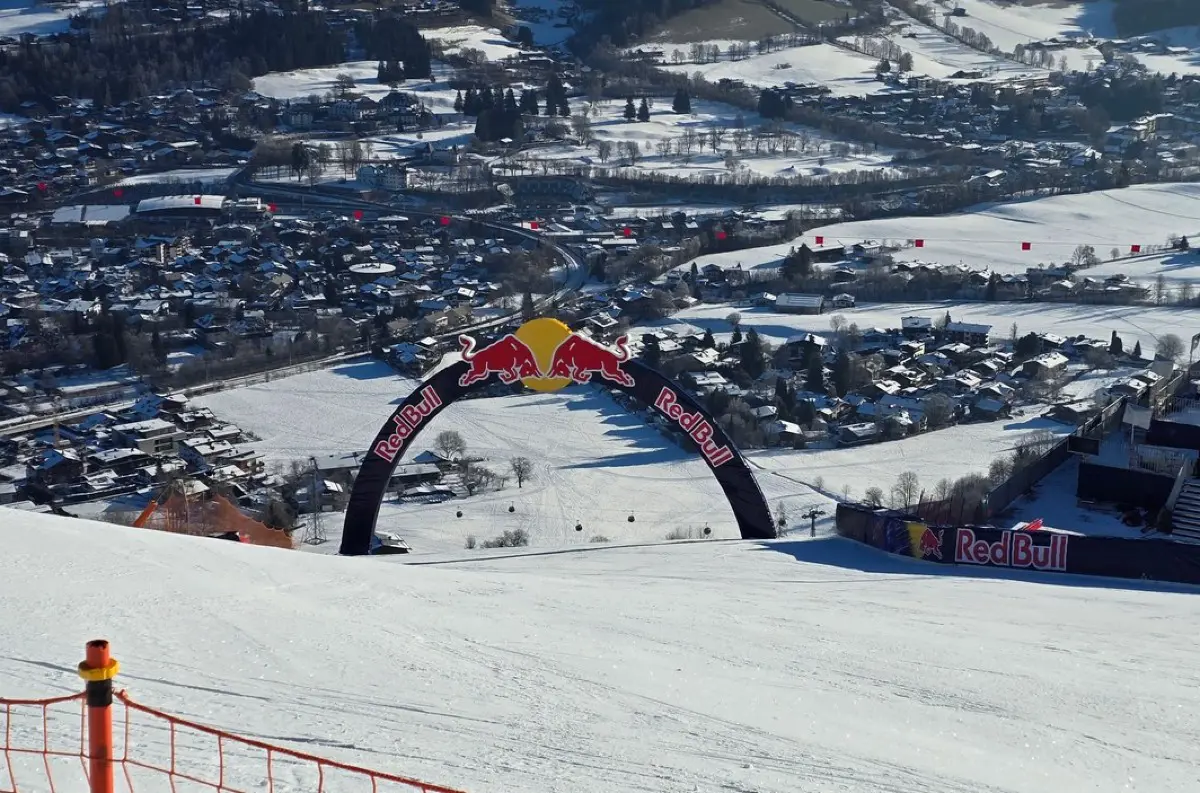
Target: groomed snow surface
816	666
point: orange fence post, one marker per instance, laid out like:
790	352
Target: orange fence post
98	670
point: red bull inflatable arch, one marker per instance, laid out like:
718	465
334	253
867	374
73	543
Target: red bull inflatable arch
545	355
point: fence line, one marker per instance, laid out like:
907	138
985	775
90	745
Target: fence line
66	745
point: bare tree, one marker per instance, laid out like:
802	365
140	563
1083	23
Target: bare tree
1169	348
522	468
734	319
906	489
343	84
450	444
874	496
581	125
631	151
939	409
837	323
604	150
476	478
1160	289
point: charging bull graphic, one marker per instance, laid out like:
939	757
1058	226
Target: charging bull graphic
577	358
545	355
509	357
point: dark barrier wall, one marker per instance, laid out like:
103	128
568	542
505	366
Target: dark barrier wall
1175	435
643	383
1123	485
1116	557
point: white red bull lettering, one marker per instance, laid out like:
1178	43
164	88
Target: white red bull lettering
407	422
695	425
1013	549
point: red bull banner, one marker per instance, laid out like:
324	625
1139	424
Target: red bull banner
545	355
1040	551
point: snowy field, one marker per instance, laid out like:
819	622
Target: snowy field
489	41
545	18
181	175
1132	323
20	17
595	463
303	83
939	55
989	236
795	667
660	141
944	454
844	72
1011	24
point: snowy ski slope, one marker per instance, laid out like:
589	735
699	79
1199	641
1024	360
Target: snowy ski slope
779	668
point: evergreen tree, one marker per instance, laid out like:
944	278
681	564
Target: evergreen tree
797	265
510	103
841	373
751	355
630	110
158	348
471	105
643	111
736	337
529	102
990	292
814	377
682	102
708	342
1137	350
1115	346
528	308
458	102
651	354
695	274
118	335
556	96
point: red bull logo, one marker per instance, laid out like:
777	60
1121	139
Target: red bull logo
1013	549
545	356
408	421
578	358
695	425
930	544
510	358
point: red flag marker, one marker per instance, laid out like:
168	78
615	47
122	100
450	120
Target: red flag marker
445	220
628	231
919	243
1026	246
43	186
820	240
196	200
1135	248
358	214
118	192
533	224
720	235
271	208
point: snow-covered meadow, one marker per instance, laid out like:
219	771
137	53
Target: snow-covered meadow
774	667
989	236
437	96
843	71
940	55
680	144
27	17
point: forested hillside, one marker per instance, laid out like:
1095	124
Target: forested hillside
1141	16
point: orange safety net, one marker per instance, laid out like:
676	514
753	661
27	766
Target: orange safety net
43	745
216	515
